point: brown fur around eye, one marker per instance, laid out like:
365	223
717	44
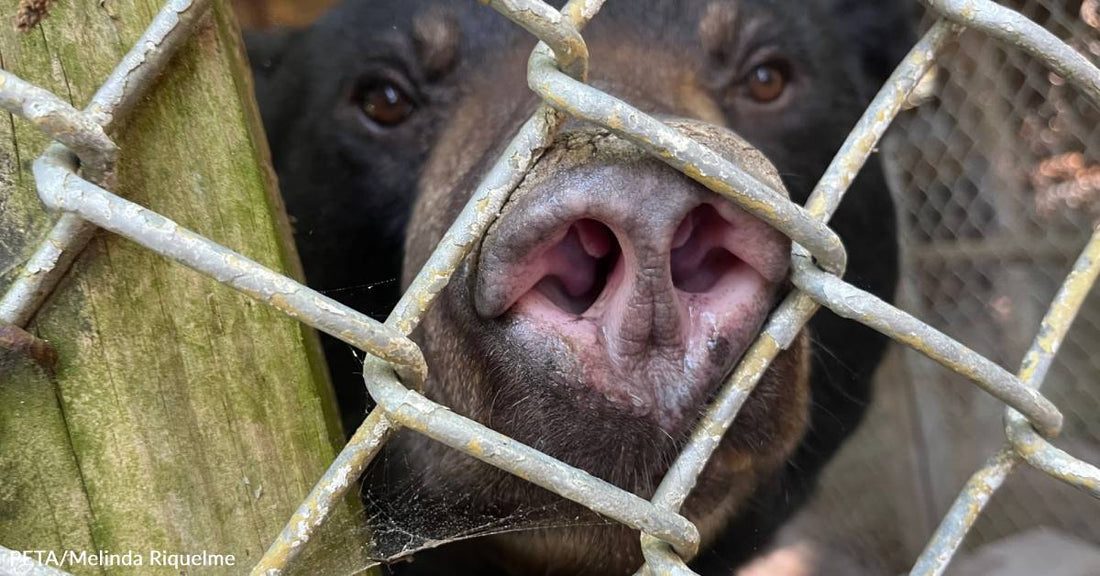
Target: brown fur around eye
437	35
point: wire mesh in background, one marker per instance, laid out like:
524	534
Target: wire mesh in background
997	180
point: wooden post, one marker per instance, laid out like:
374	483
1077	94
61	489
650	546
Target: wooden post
182	417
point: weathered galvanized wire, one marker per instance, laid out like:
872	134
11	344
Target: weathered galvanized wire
84	133
1022	446
395	370
798	307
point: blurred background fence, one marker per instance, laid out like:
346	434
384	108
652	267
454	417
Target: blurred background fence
997	181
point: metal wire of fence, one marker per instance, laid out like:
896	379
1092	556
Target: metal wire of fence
994	180
395	368
1002	160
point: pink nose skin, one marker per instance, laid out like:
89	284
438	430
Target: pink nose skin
653	285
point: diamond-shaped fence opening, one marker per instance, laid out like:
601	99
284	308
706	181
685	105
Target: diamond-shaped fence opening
972	254
997	186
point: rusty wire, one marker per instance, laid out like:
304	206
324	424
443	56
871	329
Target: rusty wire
396	370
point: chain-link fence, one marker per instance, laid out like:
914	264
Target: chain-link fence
996	180
1007	199
395	368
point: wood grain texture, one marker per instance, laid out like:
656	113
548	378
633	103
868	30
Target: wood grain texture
183	416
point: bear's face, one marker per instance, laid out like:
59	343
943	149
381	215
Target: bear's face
613	295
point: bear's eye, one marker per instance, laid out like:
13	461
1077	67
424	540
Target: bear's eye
767	82
385	103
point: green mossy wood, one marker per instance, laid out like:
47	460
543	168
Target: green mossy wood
183	416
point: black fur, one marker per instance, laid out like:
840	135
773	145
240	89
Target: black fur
349	186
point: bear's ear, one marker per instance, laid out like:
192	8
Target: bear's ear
884	30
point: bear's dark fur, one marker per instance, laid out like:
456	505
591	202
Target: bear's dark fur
350	182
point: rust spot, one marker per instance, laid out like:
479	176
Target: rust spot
28	345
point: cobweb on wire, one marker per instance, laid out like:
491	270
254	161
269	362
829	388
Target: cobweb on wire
390	524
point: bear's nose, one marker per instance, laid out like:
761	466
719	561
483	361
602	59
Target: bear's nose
642	272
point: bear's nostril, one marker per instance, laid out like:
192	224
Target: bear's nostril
684	231
696	275
700	258
595	237
578	266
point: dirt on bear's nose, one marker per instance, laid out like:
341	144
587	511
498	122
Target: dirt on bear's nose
654	284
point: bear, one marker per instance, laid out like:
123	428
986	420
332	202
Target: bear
613	295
